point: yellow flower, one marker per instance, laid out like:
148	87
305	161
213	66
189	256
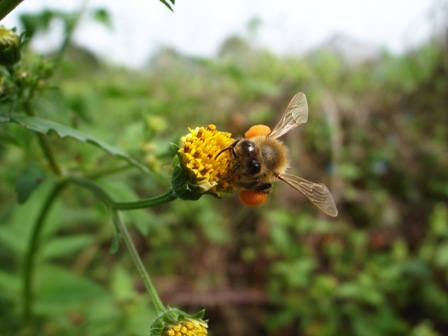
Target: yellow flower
205	168
188	327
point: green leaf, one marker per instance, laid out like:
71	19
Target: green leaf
33	23
122	284
61	290
102	16
29	181
46	127
169	6
16	230
9	285
66	246
115	244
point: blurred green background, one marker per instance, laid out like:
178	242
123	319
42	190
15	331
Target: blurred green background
377	136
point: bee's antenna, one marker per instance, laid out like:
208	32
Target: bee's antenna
225	149
230	148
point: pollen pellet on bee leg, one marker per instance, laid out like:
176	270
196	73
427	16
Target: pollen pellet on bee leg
257	130
252	198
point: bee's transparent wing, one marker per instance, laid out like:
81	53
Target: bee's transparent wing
296	113
317	193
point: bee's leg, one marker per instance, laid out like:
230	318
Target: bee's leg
231	173
264	187
256	186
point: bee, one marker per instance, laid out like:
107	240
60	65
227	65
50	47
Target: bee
260	159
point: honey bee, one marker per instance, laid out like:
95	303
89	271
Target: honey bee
260	159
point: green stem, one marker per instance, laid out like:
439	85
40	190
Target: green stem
43	141
7	6
141	204
33	246
108	171
31	253
157	302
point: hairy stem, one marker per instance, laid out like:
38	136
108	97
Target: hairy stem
157	302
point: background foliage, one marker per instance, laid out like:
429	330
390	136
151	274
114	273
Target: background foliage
377	135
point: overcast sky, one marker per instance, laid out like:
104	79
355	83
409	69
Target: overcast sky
198	27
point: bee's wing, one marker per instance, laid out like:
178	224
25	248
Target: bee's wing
296	113
317	193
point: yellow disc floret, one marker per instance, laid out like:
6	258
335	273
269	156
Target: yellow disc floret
188	327
205	159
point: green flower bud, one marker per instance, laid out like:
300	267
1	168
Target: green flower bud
9	47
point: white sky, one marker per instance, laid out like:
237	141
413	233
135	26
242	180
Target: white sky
199	27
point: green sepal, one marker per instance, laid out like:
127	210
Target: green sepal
174	150
170	317
180	184
199	315
182	187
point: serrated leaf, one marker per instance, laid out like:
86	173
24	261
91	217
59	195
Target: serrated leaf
28	182
46	127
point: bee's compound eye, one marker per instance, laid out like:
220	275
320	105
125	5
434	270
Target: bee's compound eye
252	198
254	167
248	146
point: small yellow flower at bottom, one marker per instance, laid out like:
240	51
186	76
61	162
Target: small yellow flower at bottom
205	160
188	327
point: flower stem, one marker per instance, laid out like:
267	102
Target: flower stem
142	204
31	253
157	302
33	246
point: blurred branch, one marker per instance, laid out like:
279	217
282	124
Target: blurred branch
7	6
31	254
331	111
